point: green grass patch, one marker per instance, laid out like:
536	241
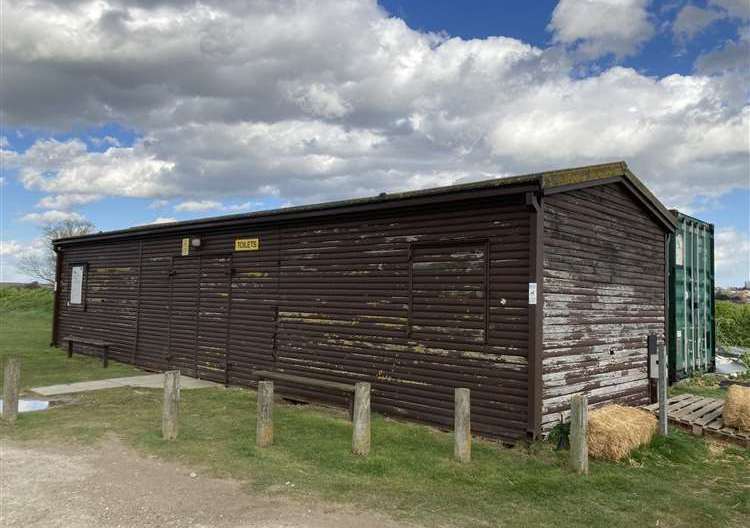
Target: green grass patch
27	335
36	300
410	474
705	385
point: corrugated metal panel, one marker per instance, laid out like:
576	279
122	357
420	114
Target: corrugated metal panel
416	301
110	299
604	293
691	290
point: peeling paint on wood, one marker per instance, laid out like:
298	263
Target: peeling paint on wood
604	293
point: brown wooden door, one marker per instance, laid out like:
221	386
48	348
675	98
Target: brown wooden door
197	337
183	314
214	290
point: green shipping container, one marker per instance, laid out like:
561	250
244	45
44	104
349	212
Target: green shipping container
692	343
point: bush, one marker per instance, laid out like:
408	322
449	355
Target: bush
733	324
19	299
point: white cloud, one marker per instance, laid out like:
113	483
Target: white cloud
271	99
66	201
669	129
105	141
197	205
600	27
158	204
735	8
691	20
51	217
67	167
13	250
163	220
245	206
9	247
730	56
732	256
193	206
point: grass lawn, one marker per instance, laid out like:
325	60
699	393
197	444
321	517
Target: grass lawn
699	388
26	334
677	481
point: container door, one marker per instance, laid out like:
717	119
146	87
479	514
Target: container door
680	305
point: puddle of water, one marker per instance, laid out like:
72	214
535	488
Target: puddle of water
29	405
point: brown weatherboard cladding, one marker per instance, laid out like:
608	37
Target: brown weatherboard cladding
603	295
332	299
417	293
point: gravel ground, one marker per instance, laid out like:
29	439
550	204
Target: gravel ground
112	486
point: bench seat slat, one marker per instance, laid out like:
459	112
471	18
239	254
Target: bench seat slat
86	341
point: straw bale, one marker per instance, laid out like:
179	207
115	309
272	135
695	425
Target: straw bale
737	408
615	430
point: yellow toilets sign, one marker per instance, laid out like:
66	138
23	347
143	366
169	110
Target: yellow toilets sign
246	244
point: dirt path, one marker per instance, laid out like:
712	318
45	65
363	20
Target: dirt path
112	486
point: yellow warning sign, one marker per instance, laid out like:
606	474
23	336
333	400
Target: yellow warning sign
185	247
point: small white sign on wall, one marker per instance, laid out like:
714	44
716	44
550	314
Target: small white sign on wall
76	284
532	293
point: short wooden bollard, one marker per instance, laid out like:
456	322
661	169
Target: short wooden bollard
462	425
171	412
361	419
264	421
579	448
11	384
662	386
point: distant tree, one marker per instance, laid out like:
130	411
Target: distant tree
41	266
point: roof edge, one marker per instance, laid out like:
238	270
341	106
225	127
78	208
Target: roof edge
539	181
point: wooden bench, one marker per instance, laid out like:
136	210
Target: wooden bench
92	342
346	388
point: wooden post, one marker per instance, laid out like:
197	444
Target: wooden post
462	425
105	356
171	413
662	392
264	420
579	449
10	389
361	419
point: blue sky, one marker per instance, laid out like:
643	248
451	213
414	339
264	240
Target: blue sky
165	112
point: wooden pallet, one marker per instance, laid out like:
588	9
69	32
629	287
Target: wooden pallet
702	416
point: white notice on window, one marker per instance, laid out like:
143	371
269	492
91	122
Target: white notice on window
532	293
76	285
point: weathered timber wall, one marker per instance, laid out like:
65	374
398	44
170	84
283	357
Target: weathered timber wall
603	294
416	302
